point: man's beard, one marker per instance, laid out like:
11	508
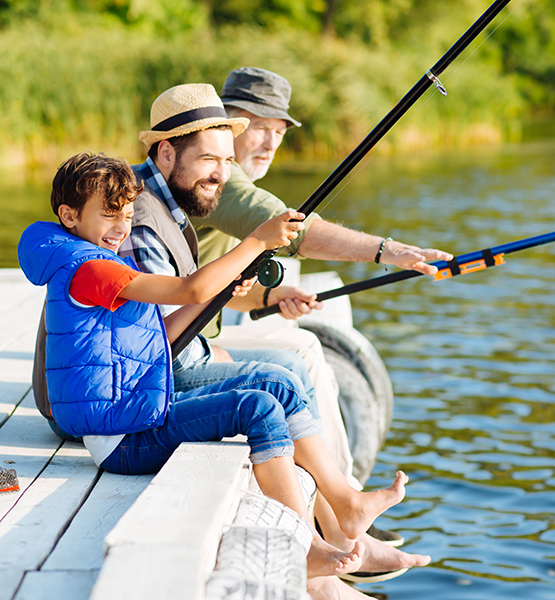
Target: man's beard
253	170
192	200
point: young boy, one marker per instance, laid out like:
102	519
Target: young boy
108	356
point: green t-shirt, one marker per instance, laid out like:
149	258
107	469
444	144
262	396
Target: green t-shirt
242	208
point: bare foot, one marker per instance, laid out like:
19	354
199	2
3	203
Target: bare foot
378	557
324	559
361	508
331	588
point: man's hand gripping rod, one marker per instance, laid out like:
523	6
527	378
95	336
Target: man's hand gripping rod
460	265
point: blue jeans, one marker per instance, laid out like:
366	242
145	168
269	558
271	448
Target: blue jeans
245	361
264	405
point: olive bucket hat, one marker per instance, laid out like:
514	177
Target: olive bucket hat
260	92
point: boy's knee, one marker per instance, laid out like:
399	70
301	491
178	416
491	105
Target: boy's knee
269	379
284	388
258	405
263	403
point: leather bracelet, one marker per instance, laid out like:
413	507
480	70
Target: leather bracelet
380	249
265	296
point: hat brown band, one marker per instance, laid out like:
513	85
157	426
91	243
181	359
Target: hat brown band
189	116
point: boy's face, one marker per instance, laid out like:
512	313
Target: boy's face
98	225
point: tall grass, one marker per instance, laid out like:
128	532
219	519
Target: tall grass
89	84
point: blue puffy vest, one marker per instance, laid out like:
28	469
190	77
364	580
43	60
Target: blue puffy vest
108	372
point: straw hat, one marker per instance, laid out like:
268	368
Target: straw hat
186	108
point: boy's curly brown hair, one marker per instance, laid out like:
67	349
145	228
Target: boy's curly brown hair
87	174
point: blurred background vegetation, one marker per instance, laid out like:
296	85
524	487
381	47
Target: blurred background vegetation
81	74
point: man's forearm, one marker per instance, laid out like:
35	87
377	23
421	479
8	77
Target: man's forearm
328	241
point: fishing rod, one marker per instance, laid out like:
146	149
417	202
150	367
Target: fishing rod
459	265
269	271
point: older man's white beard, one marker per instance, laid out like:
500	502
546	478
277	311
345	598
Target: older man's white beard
253	170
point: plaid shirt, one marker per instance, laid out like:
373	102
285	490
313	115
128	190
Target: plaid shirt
152	256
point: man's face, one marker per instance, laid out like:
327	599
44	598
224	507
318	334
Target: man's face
256	146
199	174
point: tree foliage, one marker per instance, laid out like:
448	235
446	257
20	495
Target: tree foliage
80	72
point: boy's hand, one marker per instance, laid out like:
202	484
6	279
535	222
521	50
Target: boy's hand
244	287
279	231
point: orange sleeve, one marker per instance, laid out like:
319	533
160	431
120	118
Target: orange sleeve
100	282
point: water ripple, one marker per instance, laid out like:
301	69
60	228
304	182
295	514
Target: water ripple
472	360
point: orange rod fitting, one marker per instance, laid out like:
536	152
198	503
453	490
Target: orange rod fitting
471	267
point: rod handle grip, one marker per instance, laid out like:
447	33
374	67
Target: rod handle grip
259	313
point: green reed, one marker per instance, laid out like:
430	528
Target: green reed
88	83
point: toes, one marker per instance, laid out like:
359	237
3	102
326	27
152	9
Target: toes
402	478
358	549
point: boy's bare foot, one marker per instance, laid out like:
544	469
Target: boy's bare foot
331	588
324	559
362	508
378	557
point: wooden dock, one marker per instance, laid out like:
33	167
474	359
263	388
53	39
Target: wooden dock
75	532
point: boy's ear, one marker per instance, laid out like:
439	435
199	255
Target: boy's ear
68	216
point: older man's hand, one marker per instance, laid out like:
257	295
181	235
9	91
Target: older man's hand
412	257
294	302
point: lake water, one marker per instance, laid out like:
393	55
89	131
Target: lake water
472	360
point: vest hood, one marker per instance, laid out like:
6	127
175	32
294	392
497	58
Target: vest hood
42	250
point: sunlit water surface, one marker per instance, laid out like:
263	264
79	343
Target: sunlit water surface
472	360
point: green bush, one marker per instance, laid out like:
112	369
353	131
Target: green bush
75	79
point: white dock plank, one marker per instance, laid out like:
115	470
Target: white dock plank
149	548
11	393
16	367
336	310
20	307
30	530
72	568
191	484
20	314
28	443
156	571
14	288
57	585
10	578
53	479
82	545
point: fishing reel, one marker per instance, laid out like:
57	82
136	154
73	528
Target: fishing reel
270	273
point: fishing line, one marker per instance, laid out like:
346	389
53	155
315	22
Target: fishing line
265	260
483	42
364	163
